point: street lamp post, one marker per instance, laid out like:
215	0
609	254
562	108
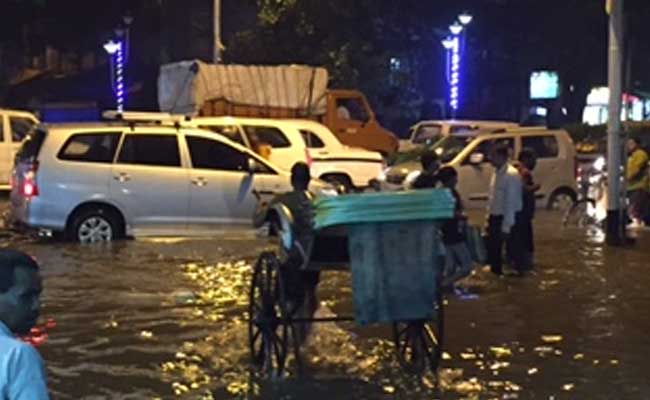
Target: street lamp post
118	51
455	46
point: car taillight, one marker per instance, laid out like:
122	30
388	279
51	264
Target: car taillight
30	188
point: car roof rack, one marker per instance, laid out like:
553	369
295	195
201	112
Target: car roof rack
145	116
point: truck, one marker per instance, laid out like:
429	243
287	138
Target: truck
286	91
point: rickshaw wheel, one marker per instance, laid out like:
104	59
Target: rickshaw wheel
267	328
418	343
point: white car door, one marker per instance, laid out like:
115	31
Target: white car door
5	151
151	185
474	179
223	194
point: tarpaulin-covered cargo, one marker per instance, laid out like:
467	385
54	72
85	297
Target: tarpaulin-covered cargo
184	87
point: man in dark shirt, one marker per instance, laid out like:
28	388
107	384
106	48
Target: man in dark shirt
427	178
459	259
523	229
299	283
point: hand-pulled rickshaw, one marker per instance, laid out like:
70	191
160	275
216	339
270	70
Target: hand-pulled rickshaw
392	245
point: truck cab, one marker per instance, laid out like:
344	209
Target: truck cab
350	117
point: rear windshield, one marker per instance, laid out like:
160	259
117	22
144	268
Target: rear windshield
31	146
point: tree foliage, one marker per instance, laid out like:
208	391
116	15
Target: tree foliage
508	39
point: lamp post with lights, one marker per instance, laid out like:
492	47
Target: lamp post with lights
455	46
118	52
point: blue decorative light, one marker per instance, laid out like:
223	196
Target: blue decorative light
115	49
454	44
454	74
119	77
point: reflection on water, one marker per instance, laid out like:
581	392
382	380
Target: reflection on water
167	319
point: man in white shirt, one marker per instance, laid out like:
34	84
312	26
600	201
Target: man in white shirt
22	373
505	201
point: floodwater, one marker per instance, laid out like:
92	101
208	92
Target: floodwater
166	318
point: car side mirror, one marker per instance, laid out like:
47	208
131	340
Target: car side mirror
252	166
477	158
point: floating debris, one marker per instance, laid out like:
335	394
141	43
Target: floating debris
501	352
468	356
613	362
146	334
533	371
428	382
544	350
579	356
112	324
468	387
179	388
237	388
499	365
552	338
446	356
568	387
389	389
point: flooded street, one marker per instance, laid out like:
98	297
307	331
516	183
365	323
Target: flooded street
166	318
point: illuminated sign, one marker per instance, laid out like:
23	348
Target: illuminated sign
544	85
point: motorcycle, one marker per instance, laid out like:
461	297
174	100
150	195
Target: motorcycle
590	209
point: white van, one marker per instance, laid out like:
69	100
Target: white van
14	126
100	182
468	154
430	131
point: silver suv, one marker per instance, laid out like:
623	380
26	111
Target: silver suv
99	182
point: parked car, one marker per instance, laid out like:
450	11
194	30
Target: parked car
14	126
99	182
429	132
292	141
468	153
332	161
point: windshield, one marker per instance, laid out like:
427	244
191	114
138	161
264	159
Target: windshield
449	147
427	133
446	148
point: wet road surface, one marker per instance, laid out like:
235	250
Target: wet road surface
166	318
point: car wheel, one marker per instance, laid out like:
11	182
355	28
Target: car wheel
95	225
561	200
